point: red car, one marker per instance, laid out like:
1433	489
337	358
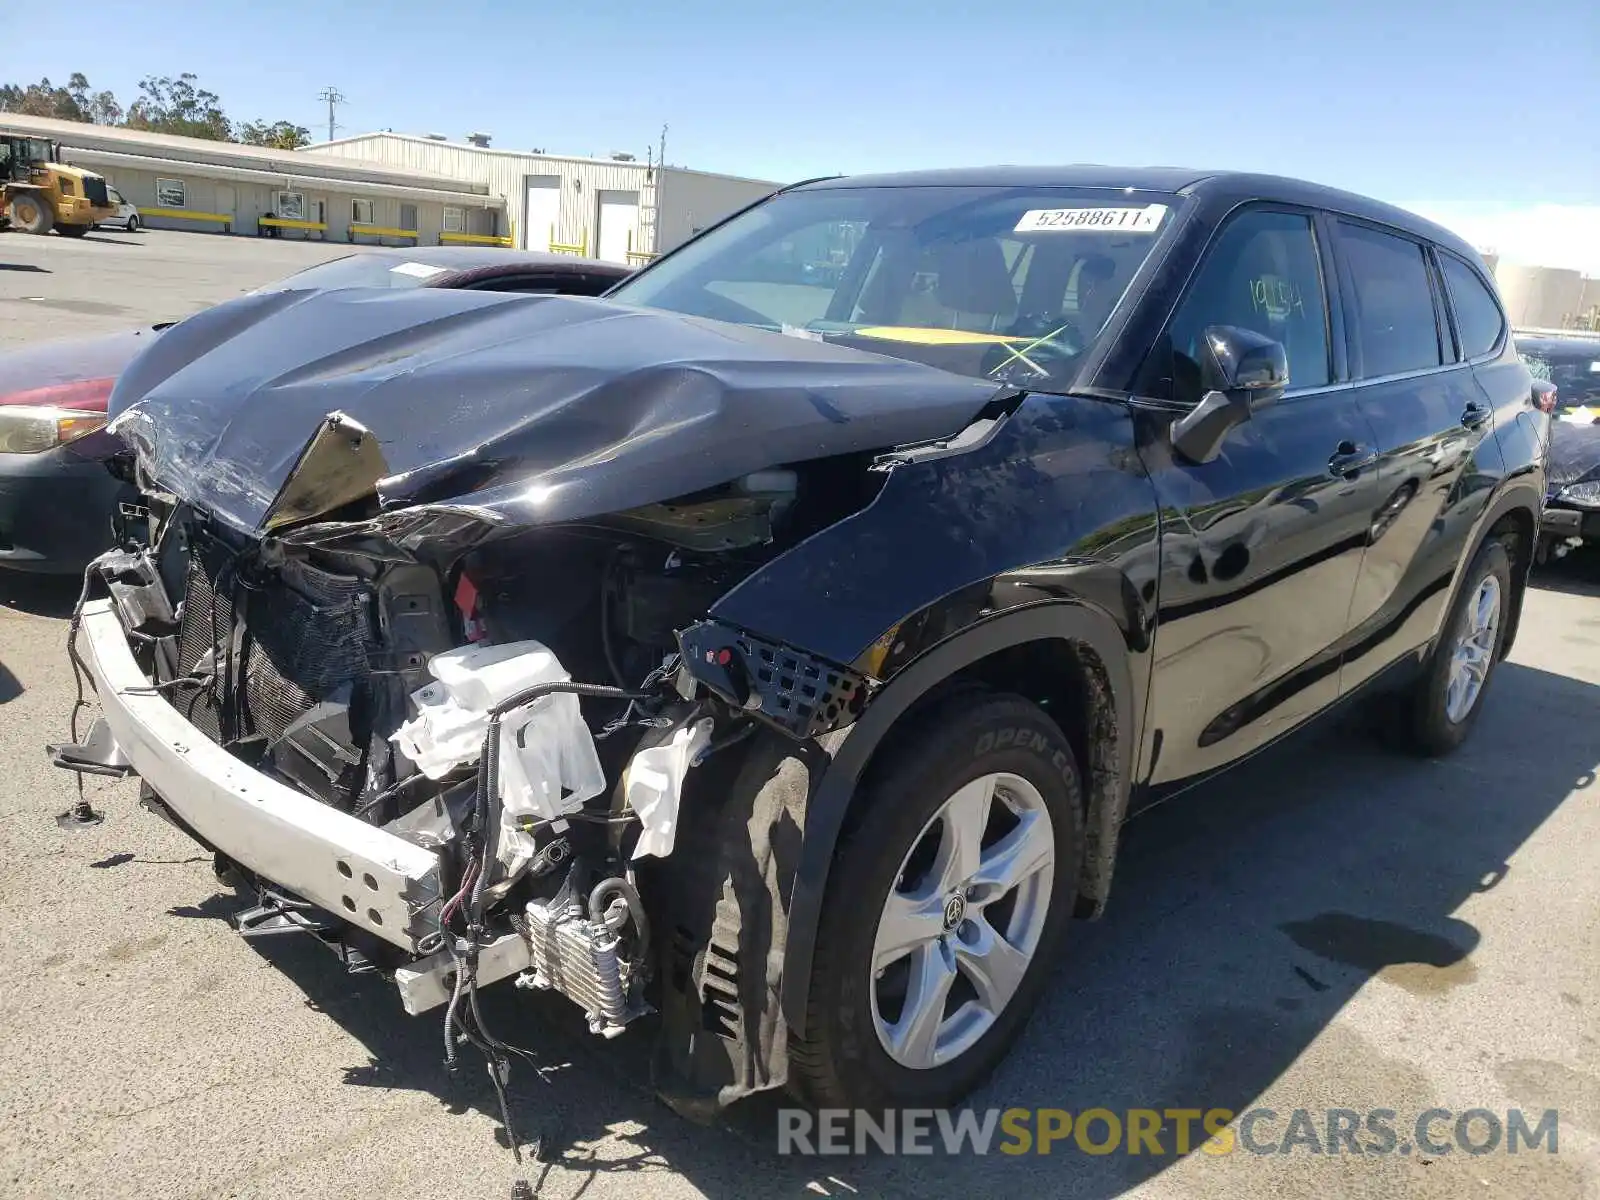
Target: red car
57	499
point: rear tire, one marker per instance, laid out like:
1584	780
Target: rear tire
1444	704
30	214
72	231
915	910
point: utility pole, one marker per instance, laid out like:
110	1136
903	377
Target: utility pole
334	97
661	155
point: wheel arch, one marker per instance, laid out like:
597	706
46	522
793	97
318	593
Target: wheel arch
1511	516
1515	522
1069	655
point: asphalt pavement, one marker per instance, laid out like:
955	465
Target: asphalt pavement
1331	926
108	280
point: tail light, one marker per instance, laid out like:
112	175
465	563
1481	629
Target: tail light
41	419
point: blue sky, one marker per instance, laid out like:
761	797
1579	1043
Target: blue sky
1480	109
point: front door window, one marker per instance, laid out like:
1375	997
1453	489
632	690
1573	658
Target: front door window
1262	274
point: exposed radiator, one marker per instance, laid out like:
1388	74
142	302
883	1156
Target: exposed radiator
307	639
205	624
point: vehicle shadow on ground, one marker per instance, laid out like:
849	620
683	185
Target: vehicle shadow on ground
1578	574
30	268
40	595
1246	915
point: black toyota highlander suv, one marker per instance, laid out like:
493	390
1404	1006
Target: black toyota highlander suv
781	641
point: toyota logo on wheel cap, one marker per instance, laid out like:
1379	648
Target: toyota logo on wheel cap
955	911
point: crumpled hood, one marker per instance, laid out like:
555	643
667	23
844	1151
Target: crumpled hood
513	410
1574	453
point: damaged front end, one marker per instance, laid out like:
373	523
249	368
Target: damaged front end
506	799
462	733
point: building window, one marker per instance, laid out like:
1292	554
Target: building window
171	193
361	212
291	206
408	216
454	220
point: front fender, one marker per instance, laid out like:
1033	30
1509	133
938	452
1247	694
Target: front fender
1052	489
1041	526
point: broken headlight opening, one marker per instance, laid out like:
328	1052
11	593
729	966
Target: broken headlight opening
528	712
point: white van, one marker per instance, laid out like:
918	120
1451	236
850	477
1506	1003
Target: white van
127	215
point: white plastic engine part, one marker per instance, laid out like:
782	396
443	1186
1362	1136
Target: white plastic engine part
548	763
653	785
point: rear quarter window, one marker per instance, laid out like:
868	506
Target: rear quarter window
1479	322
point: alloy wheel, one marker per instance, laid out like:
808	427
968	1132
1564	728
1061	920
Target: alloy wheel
1474	650
962	921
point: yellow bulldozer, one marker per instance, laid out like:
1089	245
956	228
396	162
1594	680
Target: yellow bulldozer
38	193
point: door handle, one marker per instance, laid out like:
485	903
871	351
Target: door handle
1474	415
1350	460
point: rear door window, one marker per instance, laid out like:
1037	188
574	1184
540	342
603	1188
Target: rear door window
1479	322
1396	324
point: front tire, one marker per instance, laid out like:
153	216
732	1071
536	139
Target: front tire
133	224
946	906
1445	702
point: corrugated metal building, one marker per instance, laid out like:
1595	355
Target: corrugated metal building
193	183
617	210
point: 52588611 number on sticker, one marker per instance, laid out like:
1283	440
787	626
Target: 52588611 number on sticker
1144	219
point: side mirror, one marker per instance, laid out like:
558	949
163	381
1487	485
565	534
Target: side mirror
1242	371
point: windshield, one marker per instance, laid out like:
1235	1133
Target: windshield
360	270
1004	283
1573	367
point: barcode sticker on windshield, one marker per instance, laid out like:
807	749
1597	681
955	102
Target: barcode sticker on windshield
1146	219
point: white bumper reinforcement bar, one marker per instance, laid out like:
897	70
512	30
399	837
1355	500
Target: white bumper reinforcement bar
370	878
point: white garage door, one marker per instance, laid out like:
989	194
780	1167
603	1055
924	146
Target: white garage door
543	217
619	226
